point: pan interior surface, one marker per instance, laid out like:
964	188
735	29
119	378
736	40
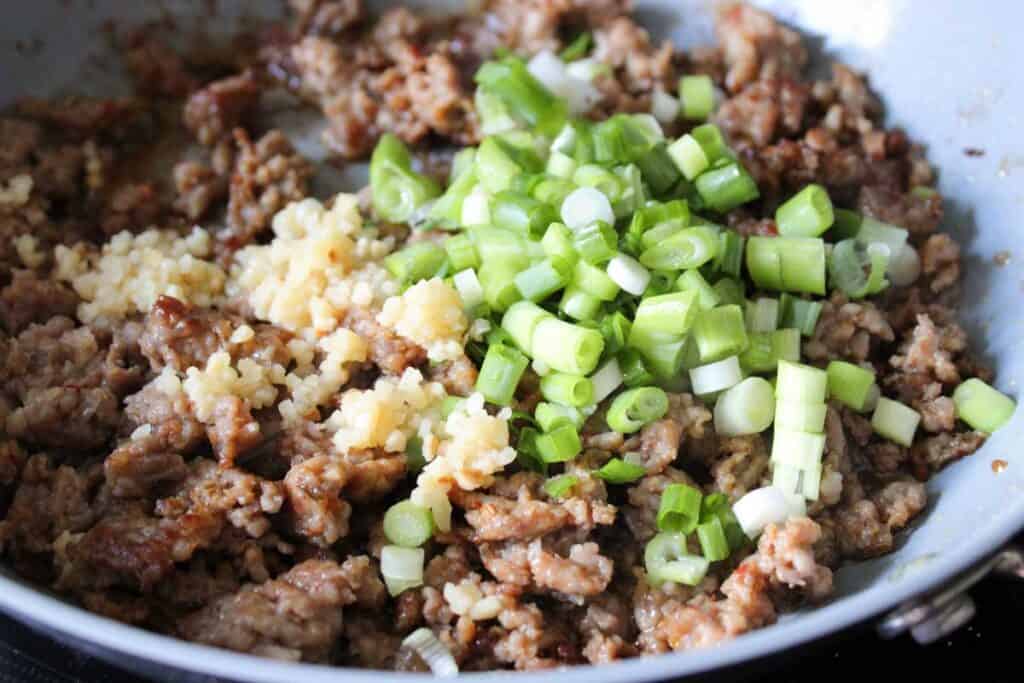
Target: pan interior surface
942	99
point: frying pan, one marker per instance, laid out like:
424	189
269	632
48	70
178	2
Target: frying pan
947	71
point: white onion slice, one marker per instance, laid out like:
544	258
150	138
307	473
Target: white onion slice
759	508
707	379
432	651
626	272
583	207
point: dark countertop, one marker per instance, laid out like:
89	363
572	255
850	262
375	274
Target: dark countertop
985	650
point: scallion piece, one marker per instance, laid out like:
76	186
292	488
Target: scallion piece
710	139
543	279
596	243
800	417
634	408
565	347
849	384
679	510
664	355
634	371
802	450
617	471
498	280
808	213
629	274
795	264
494	115
857	270
495	167
659	170
414	460
500	373
659	233
798	383
615	328
762	315
729	260
693	281
759	356
981	406
408	525
585	206
606	380
688	156
594	281
558	487
713	543
714	377
461	252
786	345
448	207
716	505
689	248
402	568
469	288
579	305
667	560
720	332
567	390
670	314
397	190
418	261
520	213
601	179
557	243
697	94
523	94
730	291
578	48
725	187
799	314
895	421
551	415
747	408
520	321
495	245
561	444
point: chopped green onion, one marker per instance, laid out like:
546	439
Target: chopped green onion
720	332
847	264
397	190
693	281
713	542
867	230
408	525
724	188
895	421
475	208
578	48
551	415
622	139
786	345
716	506
664	107
617	471
561	165
799	383
601	179
557	243
462	161
521	213
634	194
567	390
763	315
469	288
565	347
679	510
795	264
667	560
662	282
802	450
525	97
659	170
697	94
801	417
688	156
689	248
543	279
448	207
596	243
495	166
747	408
711	141
584	206
671	314
664	355
594	281
579	305
615	329
634	372
807	214
561	444
629	274
520	321
799	313
500	373
498	280
494	115
418	261
414	460
402	568
634	408
730	253
559	486
461	252
760	354
606	380
659	233
714	377
849	384
981	406
527	455
730	291
498	245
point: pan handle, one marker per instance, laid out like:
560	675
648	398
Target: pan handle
935	615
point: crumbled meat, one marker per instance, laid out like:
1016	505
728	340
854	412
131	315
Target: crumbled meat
313	487
297	616
584	572
213	111
199	187
458	376
660	441
935	452
847	330
388	351
764	111
268	175
756	46
743	467
156	68
940	262
140	467
644	498
32	299
920	215
327	17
